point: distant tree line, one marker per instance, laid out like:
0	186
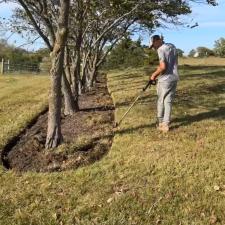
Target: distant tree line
129	53
19	55
218	50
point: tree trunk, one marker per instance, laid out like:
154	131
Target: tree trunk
89	74
94	73
67	65
93	70
54	136
86	82
71	104
76	79
84	74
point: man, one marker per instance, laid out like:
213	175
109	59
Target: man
167	76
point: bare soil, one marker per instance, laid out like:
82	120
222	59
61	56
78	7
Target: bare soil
87	136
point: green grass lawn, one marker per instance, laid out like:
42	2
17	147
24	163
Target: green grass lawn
147	177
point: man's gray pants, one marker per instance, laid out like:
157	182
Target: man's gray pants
166	93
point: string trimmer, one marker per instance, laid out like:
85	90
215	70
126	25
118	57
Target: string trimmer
151	82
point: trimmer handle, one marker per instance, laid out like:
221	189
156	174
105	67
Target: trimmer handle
151	82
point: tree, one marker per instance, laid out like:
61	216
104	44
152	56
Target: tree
41	21
54	136
110	17
204	52
55	18
180	52
192	53
219	48
128	53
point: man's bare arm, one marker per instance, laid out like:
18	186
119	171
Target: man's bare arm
160	69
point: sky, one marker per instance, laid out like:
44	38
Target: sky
6	10
211	27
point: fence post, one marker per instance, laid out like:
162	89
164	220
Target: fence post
8	68
2	67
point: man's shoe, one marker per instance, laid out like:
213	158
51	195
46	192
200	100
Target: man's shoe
164	127
159	126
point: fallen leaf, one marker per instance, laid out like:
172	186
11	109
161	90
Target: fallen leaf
216	188
203	214
109	200
213	219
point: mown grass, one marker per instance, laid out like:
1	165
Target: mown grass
213	61
22	97
147	177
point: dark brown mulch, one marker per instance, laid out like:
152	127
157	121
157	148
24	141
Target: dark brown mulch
87	137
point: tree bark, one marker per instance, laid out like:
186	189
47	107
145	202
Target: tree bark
70	104
54	135
67	65
93	70
76	78
77	60
85	79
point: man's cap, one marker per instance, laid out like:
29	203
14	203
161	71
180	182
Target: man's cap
154	38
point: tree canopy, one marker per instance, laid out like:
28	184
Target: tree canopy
220	47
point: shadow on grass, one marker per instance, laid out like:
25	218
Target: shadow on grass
134	129
143	100
209	75
127	76
199	67
129	130
201	95
218	114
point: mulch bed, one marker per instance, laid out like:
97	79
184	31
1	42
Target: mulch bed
87	137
